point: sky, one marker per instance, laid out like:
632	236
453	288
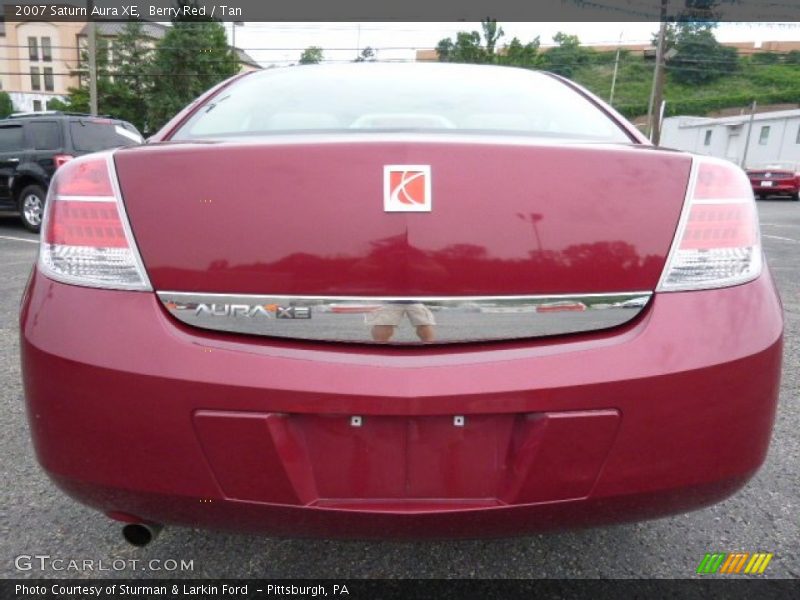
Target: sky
282	43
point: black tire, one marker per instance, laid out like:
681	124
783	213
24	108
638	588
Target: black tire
31	207
796	196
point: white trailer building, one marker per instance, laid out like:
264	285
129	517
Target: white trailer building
774	137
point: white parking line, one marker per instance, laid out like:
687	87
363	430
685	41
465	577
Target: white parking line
783	239
16	239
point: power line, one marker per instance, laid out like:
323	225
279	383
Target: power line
288	61
581	61
630	46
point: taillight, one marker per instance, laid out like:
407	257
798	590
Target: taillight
717	243
86	237
61	159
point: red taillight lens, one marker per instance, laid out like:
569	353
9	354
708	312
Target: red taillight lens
85	177
717	243
719	226
86	239
719	180
62	159
82	223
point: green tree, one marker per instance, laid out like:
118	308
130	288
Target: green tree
311	56
132	84
766	58
465	49
6	106
59	104
366	55
77	99
517	54
567	55
491	33
472	47
123	79
699	58
193	56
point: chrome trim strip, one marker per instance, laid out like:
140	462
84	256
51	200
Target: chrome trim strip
85	198
535	298
406	320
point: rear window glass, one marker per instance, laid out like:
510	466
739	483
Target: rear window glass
359	98
11	138
91	136
46	135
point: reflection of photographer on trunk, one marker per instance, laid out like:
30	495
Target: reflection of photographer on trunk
384	320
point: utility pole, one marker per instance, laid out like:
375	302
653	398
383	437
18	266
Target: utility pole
657	91
616	70
234	25
749	131
92	60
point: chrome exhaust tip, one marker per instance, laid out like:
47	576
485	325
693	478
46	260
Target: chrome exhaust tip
140	534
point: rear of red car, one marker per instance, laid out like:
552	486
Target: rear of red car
775	180
438	320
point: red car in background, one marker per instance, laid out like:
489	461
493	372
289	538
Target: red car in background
776	179
309	306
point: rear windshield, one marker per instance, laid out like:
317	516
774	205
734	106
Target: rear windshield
11	138
359	98
778	166
91	136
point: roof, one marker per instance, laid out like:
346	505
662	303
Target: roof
245	58
154	31
735	120
51	114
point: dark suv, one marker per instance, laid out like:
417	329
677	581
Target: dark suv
34	145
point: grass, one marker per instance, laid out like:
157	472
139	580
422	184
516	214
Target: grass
754	80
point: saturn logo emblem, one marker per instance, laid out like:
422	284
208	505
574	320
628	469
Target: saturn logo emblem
407	188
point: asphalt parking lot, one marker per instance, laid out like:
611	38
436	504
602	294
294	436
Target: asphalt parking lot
37	519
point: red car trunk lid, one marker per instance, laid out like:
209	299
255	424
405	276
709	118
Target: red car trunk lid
290	216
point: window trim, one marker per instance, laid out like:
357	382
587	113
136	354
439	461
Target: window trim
57	128
49	77
36	81
79	143
763	140
47	49
707	139
33	49
22	131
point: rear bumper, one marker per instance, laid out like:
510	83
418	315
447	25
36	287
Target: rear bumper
789	186
132	412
